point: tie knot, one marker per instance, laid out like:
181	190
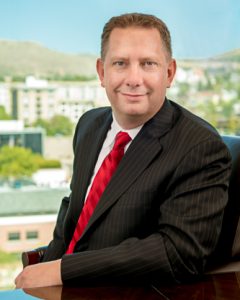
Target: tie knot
122	138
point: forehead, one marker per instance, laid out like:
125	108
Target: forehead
135	32
135	38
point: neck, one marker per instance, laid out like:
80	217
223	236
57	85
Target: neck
129	123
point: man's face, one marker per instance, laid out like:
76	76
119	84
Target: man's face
135	73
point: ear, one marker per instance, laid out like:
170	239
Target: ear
100	70
172	67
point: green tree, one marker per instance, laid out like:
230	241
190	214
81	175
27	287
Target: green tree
57	125
3	114
233	125
7	258
17	162
60	125
47	163
41	123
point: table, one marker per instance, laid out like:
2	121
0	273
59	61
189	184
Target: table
84	293
211	287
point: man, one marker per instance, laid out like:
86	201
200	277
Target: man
160	214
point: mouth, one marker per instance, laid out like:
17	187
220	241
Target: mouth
133	95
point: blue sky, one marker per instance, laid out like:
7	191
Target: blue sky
199	29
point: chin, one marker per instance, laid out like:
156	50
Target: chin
135	109
136	112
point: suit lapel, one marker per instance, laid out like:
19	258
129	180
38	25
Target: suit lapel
144	148
85	158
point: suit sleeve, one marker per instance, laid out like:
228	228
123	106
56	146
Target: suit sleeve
189	225
57	247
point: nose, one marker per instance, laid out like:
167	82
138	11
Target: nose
134	76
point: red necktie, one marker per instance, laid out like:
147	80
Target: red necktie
99	184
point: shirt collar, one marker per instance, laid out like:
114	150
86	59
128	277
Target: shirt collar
115	128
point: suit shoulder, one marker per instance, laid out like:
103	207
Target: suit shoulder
193	124
190	131
94	115
91	120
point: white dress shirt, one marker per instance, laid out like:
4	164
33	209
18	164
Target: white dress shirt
108	145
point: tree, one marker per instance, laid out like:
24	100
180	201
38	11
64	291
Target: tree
41	123
17	162
57	125
60	125
3	114
47	163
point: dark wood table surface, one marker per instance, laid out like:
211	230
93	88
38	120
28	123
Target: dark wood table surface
212	287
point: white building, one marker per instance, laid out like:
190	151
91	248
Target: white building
52	178
39	99
5	97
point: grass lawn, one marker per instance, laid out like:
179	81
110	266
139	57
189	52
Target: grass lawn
10	266
8	258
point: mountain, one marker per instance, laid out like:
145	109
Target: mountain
231	56
19	59
226	60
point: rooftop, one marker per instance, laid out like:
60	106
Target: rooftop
36	201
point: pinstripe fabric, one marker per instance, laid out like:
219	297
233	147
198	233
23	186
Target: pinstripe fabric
99	184
160	216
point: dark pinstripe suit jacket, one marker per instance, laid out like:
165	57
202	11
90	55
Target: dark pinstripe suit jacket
161	214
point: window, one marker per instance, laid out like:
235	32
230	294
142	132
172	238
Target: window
25	101
14	236
32	235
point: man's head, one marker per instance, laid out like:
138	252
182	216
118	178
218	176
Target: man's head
136	20
136	67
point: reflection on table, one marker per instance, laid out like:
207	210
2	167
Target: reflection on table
211	287
84	293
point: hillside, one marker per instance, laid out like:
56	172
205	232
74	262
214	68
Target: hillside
231	56
18	59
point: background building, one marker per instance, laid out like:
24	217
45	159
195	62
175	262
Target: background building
27	218
13	133
38	99
5	97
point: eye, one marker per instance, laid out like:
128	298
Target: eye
119	63
149	63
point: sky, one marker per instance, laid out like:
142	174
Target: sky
199	29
